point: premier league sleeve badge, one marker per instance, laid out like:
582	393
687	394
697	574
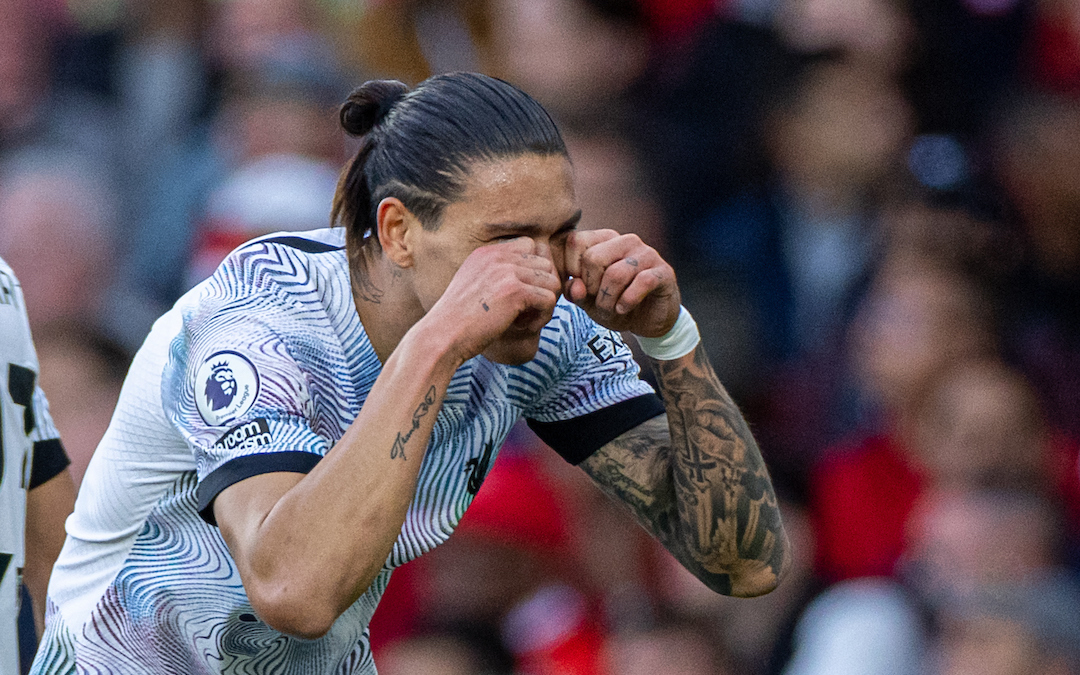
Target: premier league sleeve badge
226	386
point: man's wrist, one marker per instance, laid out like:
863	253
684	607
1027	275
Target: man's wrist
436	342
682	339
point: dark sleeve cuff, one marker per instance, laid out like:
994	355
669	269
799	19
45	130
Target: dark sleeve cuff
577	438
49	460
240	468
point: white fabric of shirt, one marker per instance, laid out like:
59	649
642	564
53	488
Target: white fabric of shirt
265	360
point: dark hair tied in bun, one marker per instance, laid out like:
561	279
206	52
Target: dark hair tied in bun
368	104
422	154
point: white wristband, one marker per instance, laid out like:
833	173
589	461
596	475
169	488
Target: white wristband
682	339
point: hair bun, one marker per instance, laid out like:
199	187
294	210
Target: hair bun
369	103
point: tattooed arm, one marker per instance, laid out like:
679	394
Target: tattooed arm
695	480
698	483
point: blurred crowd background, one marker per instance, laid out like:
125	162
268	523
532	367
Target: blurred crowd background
873	207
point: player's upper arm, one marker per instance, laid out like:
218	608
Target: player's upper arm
48	504
47	507
241	508
241	399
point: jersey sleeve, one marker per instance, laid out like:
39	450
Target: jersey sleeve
239	397
18	356
598	394
49	457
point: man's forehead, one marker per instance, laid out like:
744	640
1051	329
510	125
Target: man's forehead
518	179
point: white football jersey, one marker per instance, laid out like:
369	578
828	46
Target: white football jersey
262	368
24	424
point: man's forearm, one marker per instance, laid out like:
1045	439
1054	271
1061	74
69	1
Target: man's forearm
697	482
47	507
726	507
307	546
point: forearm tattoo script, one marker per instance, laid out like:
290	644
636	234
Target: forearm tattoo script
697	481
398	449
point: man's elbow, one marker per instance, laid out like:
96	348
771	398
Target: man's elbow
293	613
747	578
754	584
742	584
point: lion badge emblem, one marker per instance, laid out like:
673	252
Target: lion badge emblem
226	387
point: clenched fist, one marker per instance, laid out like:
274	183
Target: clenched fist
621	282
498	301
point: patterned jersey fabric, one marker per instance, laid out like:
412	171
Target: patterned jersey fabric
262	368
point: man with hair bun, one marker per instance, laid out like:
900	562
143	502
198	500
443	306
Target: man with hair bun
368	375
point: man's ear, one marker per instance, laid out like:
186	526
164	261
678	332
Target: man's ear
394	222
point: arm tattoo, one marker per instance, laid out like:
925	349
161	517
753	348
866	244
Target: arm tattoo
698	482
398	449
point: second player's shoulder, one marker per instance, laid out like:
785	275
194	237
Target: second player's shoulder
15	344
10	290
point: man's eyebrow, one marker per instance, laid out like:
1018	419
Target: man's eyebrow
531	229
571	223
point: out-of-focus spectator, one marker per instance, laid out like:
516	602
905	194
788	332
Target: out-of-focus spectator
81	372
1028	629
874	33
1038	163
680	648
271	164
832	148
283	156
794	253
262	150
430	654
987	565
980	425
965	540
57	220
983	567
918	319
577	57
859	627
